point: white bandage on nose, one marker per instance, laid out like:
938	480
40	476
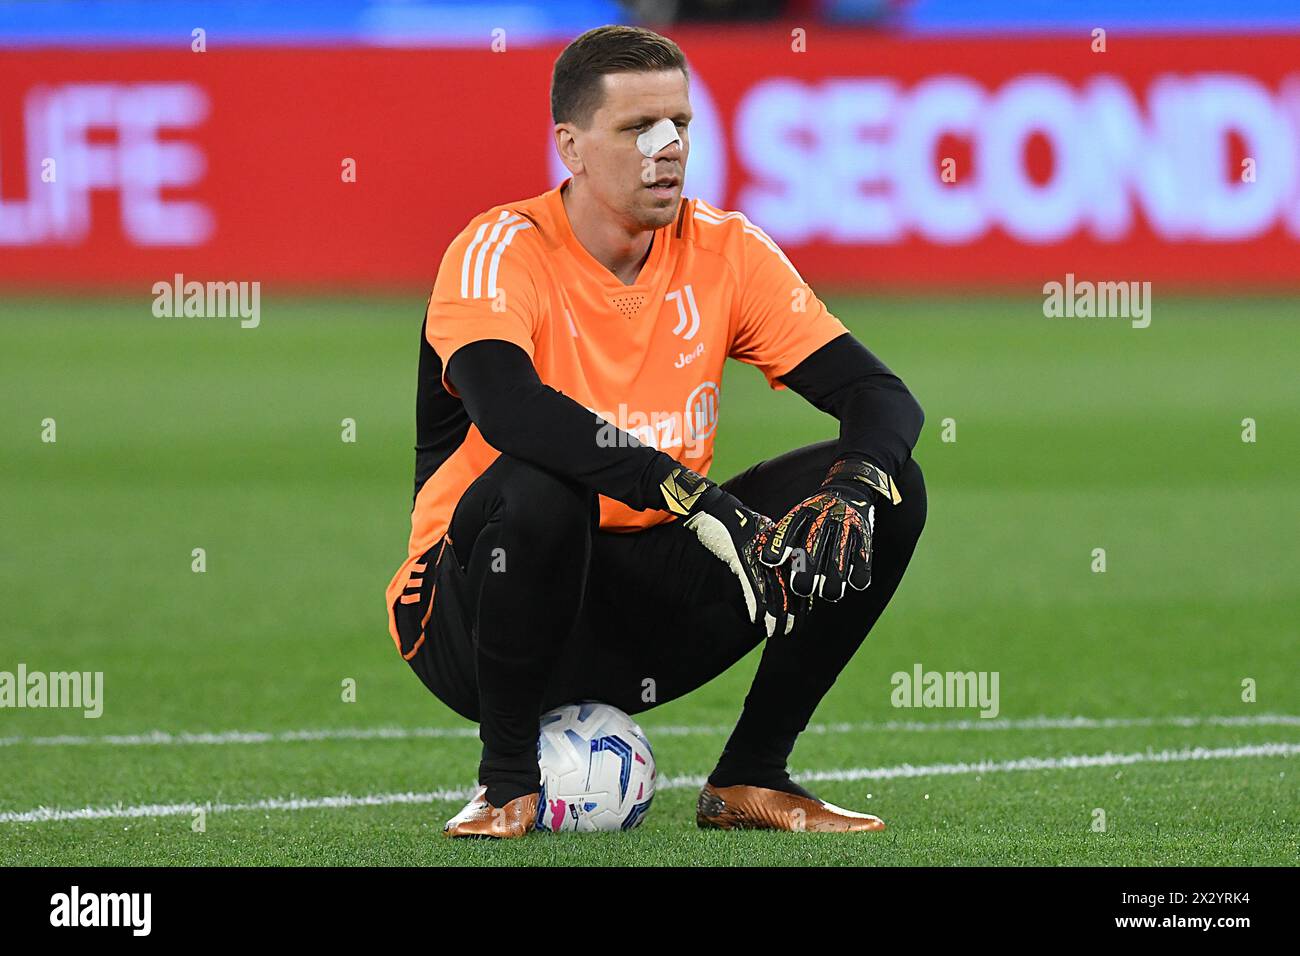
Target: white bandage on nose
662	134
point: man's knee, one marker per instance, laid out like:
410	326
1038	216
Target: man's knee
536	508
908	516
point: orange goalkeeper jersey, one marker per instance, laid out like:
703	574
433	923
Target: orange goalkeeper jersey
646	357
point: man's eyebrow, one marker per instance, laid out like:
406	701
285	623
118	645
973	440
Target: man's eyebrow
638	120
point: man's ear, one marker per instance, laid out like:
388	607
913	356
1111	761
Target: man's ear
566	144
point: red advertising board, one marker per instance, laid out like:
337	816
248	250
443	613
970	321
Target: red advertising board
872	160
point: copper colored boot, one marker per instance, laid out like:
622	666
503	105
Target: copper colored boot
757	808
481	819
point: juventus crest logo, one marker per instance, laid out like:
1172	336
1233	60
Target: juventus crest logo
686	326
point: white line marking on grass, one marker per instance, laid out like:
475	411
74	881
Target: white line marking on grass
120	811
347	801
164	738
1069	762
1066	723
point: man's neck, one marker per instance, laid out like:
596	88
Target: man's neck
621	252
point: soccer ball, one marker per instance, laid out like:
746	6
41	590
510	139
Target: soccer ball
598	772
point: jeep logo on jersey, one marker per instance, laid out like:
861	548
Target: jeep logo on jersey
687	324
702	411
686	358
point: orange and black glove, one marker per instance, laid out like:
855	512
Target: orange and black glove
828	536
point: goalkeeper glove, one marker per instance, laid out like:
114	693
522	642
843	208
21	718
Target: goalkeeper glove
734	534
832	530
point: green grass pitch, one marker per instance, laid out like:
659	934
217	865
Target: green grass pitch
1071	435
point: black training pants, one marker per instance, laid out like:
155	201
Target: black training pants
533	607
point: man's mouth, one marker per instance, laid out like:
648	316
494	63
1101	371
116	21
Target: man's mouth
664	186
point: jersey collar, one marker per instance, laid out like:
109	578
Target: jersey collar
588	262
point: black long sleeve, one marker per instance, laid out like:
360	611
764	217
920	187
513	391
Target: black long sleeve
521	416
879	419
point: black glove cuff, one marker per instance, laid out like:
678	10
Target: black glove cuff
859	475
685	491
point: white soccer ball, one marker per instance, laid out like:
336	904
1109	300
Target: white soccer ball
598	772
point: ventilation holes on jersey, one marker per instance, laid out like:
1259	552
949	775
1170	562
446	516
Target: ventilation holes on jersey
628	305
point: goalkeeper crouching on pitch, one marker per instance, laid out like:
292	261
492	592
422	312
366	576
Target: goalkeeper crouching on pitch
554	557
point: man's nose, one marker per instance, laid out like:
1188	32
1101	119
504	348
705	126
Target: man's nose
672	152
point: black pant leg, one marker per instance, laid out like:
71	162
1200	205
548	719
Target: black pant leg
438	632
775	485
661	617
516	569
795	674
